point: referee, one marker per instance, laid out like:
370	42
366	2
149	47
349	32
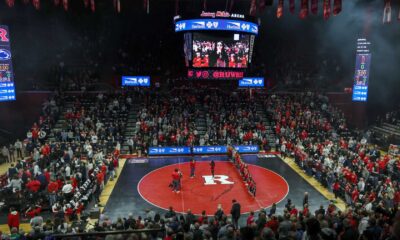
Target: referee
212	166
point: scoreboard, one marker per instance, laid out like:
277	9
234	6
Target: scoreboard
217	45
7	88
361	75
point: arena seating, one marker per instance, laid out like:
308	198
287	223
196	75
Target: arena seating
306	125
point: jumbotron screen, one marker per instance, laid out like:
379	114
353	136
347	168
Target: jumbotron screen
220	50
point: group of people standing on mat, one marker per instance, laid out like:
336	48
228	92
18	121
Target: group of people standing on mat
245	173
177	175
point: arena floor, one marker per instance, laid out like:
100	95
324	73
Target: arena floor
143	184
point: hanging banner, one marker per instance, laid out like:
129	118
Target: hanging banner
279	10
304	9
337	7
387	12
292	6
314	7
327	9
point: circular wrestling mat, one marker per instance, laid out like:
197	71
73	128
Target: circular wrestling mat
204	193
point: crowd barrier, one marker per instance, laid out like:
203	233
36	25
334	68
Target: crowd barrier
156	151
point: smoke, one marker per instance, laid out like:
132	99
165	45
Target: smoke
334	42
363	19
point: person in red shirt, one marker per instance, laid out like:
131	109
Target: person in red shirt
197	60
104	169
100	179
336	188
273	224
33	185
68	211
176	181
306	211
46	150
13	219
206	61
52	188
74	182
78	210
294	211
244	62
250	219
192	168
47	175
232	61
331	209
354	195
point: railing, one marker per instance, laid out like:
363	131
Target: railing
140	234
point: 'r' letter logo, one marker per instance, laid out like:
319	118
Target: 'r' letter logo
3	35
222	179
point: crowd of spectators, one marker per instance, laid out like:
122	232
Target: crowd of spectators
326	223
166	120
65	174
232	118
58	171
171	119
316	134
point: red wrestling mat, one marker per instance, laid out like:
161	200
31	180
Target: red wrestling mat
203	193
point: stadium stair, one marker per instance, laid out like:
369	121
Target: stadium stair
387	133
201	124
130	128
265	117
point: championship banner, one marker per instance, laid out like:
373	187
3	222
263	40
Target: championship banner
337	7
292	6
314	7
327	9
304	9
279	10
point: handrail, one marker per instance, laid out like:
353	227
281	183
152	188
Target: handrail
61	236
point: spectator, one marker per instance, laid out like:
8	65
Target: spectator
235	212
13	219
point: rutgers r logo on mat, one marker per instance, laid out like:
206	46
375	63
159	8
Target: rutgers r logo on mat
222	179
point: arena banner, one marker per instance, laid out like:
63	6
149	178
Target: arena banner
169	150
251	82
154	151
247	148
210	150
136	81
216	25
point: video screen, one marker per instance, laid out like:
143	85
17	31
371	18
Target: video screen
220	50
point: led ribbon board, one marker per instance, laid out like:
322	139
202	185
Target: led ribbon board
216	24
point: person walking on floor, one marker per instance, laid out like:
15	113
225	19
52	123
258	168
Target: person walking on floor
192	168
235	212
176	181
212	166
